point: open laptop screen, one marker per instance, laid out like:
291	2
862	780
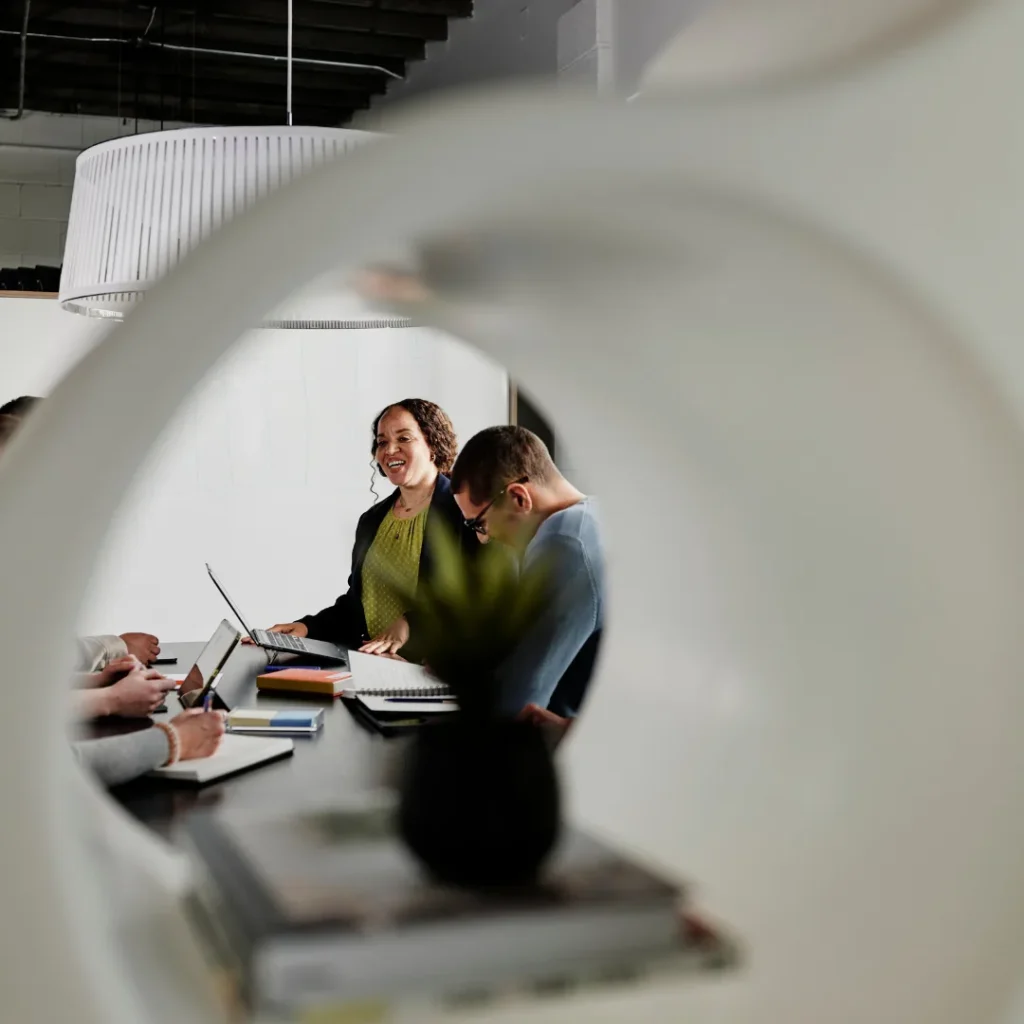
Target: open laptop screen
211	660
231	604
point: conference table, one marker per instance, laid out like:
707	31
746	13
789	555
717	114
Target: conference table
343	759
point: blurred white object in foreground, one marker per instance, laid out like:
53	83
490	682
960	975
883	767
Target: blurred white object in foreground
780	333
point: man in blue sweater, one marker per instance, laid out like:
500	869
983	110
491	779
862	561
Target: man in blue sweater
510	491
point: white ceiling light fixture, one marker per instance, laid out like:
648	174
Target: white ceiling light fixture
142	203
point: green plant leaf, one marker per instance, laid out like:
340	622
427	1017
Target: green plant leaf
470	614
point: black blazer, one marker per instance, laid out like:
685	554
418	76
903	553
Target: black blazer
344	622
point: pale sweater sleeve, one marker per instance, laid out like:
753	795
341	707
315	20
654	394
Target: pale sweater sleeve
117	759
96	652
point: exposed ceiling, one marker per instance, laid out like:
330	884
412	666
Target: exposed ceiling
146	64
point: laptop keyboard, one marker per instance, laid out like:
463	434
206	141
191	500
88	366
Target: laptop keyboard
281	640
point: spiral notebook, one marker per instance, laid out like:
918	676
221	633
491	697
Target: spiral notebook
388	677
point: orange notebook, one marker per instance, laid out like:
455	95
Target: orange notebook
322	682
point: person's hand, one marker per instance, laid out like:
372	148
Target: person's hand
391	641
299	629
138	694
199	733
117	669
536	715
143	646
114	671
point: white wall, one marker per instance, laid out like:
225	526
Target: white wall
38	342
263	474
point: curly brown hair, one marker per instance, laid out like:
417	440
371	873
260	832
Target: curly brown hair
435	425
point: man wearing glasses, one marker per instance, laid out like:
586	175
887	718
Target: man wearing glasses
510	491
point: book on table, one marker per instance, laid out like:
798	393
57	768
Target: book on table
326	905
318	682
268	721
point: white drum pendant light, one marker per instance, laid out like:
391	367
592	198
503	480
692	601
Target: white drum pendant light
142	203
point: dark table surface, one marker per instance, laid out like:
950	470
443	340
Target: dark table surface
342	760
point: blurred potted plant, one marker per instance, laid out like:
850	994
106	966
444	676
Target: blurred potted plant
479	799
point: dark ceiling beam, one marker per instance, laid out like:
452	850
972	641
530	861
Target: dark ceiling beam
167	107
89	101
209	97
343	17
425	8
362	66
238	34
103	78
179	91
449	8
83	63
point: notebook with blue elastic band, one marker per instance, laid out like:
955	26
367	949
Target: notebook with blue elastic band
296	721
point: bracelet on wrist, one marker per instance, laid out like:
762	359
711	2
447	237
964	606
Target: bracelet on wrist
173	741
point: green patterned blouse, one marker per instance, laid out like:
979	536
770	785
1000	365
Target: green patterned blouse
394	557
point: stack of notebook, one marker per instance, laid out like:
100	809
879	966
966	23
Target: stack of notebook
392	697
324	907
370	675
373	676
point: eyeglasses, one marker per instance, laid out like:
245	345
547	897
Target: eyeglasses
477	524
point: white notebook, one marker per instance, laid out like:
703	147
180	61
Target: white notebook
420	704
235	754
386	677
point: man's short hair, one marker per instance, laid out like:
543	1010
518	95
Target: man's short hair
498	456
21	406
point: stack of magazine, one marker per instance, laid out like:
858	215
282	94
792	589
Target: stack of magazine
322	908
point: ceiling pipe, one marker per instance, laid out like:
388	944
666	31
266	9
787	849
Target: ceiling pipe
312	61
201	50
17	116
290	37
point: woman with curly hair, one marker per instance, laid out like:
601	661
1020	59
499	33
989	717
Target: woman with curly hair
414	446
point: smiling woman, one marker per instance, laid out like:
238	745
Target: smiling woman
413	441
413	445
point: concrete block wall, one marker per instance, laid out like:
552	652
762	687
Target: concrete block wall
37	172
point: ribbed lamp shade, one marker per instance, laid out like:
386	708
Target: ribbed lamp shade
141	203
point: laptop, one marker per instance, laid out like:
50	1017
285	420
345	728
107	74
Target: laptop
281	641
203	676
208	679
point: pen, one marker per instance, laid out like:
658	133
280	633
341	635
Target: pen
420	700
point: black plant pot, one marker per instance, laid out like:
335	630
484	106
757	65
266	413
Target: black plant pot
480	804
